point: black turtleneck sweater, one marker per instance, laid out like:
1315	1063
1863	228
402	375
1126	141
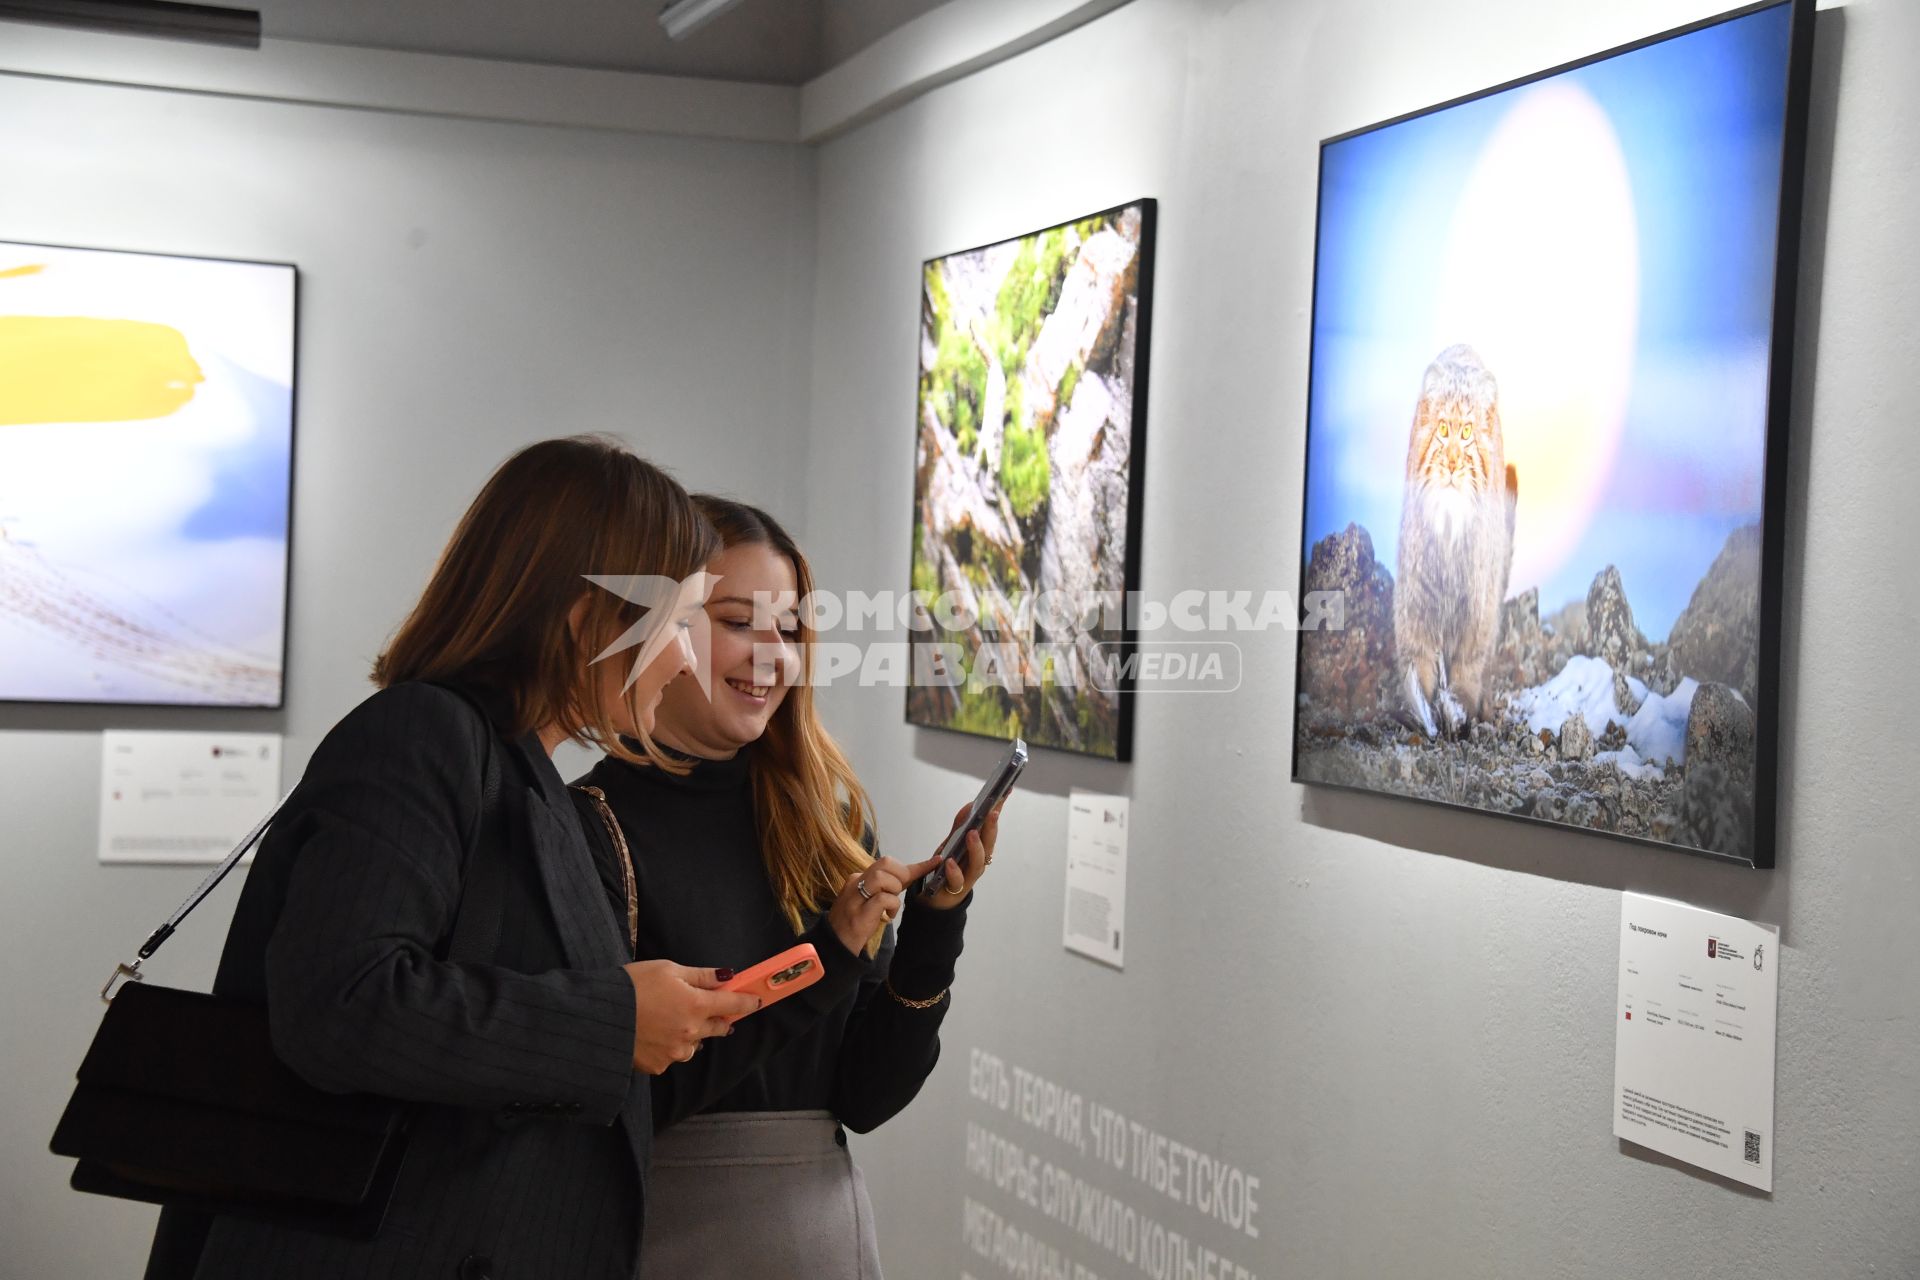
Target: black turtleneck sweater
844	1045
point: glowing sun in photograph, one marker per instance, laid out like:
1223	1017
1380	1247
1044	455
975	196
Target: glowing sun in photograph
1541	276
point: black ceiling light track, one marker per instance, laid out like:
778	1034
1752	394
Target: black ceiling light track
205	23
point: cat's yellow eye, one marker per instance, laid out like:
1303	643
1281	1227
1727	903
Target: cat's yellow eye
1443	428
1466	431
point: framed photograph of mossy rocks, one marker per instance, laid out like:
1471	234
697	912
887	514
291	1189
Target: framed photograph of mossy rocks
1030	445
1547	440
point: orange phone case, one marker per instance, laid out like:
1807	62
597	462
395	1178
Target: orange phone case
794	969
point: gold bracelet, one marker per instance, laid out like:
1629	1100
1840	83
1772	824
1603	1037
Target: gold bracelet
914	1004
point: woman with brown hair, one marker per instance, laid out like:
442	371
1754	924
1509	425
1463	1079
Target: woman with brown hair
763	837
529	1135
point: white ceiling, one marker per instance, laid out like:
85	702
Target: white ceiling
776	41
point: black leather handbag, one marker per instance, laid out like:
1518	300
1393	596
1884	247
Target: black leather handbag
181	1102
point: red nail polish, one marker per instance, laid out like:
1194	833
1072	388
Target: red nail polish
723	975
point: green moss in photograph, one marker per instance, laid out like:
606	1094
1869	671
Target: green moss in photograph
1088	228
1030	293
926	581
938	301
960	384
966	434
985	711
956	384
1025	473
1063	395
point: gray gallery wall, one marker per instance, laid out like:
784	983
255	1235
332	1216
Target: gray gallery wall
465	288
1399	1018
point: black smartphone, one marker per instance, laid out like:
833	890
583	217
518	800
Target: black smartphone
992	792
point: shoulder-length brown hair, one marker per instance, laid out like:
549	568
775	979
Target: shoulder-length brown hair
497	611
814	816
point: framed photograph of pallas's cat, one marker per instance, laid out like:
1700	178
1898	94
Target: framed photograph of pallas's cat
146	477
1547	440
1029	449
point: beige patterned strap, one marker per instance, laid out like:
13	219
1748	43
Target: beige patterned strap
619	838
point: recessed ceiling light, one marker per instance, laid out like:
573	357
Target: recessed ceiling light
684	17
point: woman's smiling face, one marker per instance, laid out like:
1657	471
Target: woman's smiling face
755	655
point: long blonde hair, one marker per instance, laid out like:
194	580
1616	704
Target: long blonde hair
815	818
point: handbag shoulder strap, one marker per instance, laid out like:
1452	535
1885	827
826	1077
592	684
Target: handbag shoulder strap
476	922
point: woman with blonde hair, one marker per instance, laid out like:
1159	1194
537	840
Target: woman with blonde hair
765	838
529	1128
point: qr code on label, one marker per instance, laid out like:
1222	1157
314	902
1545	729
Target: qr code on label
1753	1147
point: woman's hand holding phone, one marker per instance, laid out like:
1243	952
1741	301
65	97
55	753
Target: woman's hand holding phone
963	872
675	1008
872	897
960	845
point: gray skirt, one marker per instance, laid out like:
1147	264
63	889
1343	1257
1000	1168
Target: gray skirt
768	1194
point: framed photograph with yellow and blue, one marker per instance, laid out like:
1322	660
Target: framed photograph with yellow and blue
146	477
1547	440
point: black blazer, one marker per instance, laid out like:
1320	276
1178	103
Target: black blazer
526	1153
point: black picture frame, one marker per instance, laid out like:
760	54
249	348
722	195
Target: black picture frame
293	450
1136	465
1799	72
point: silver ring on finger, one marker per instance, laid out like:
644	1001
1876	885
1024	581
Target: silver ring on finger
861	885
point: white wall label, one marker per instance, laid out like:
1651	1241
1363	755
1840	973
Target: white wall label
1694	1038
183	797
1096	875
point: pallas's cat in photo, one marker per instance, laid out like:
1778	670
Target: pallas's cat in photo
1456	544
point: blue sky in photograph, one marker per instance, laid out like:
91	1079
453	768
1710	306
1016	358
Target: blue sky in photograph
1698	121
